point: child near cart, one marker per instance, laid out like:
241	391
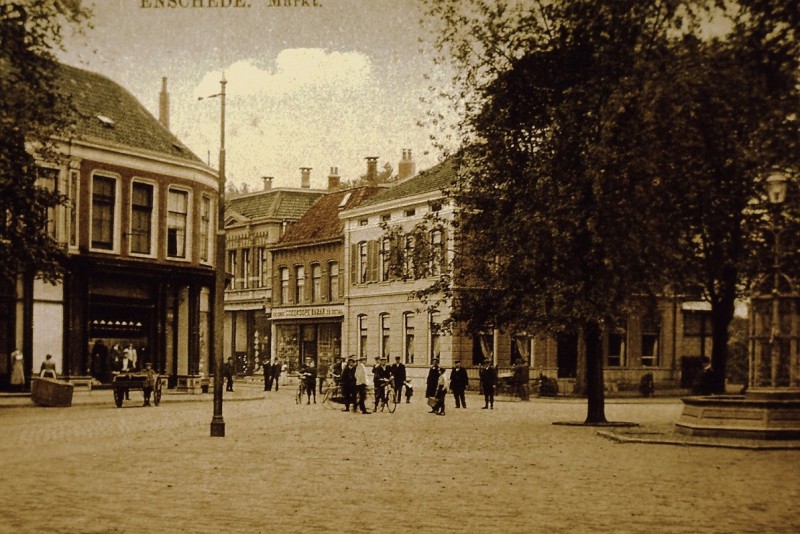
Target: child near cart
409	389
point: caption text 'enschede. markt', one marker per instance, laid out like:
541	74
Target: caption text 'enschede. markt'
171	4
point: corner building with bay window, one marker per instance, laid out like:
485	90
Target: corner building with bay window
139	226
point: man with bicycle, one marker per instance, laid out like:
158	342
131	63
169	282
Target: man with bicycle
381	376
308	374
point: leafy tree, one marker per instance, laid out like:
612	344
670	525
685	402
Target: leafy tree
714	118
599	150
33	115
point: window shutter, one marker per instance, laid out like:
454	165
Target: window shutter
373	249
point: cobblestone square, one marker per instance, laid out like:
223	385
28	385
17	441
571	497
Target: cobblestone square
284	467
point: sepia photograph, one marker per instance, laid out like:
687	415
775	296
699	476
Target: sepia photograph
552	247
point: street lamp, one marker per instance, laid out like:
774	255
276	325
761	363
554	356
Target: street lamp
776	194
217	422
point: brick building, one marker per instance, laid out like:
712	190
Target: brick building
138	227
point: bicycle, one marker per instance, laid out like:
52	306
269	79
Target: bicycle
301	391
332	396
388	400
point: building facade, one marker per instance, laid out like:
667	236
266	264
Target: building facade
138	225
308	299
253	223
383	318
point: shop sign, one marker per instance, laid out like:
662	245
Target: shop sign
307	312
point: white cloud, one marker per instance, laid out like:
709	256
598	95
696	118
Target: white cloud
296	69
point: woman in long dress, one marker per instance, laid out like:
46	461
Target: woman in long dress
17	371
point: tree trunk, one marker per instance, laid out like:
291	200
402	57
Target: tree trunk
721	317
595	392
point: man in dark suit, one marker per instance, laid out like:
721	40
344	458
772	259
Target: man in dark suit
277	367
349	384
488	378
267	375
433	379
381	375
458	384
399	377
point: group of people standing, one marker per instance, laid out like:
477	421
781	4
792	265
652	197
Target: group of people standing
437	385
351	375
108	362
272	374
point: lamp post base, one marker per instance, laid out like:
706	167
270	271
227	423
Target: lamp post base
217	427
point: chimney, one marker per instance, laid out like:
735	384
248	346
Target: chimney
407	168
305	177
267	182
372	170
163	104
333	179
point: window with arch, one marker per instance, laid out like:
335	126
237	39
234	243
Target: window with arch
316	282
408	339
385	335
435	336
362	335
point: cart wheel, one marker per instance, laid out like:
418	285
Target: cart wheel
157	392
118	396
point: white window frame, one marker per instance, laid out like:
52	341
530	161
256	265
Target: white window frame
116	212
153	220
187	252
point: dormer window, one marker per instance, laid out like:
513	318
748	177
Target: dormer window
107	121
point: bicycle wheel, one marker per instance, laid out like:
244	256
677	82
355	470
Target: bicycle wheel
390	399
327	398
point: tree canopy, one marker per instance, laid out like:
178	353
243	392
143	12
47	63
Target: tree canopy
611	150
34	113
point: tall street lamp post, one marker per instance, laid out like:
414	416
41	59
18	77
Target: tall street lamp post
776	193
217	421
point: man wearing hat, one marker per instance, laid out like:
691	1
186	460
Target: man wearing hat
349	384
361	384
399	377
381	375
458	384
433	379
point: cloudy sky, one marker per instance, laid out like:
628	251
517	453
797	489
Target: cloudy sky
307	86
